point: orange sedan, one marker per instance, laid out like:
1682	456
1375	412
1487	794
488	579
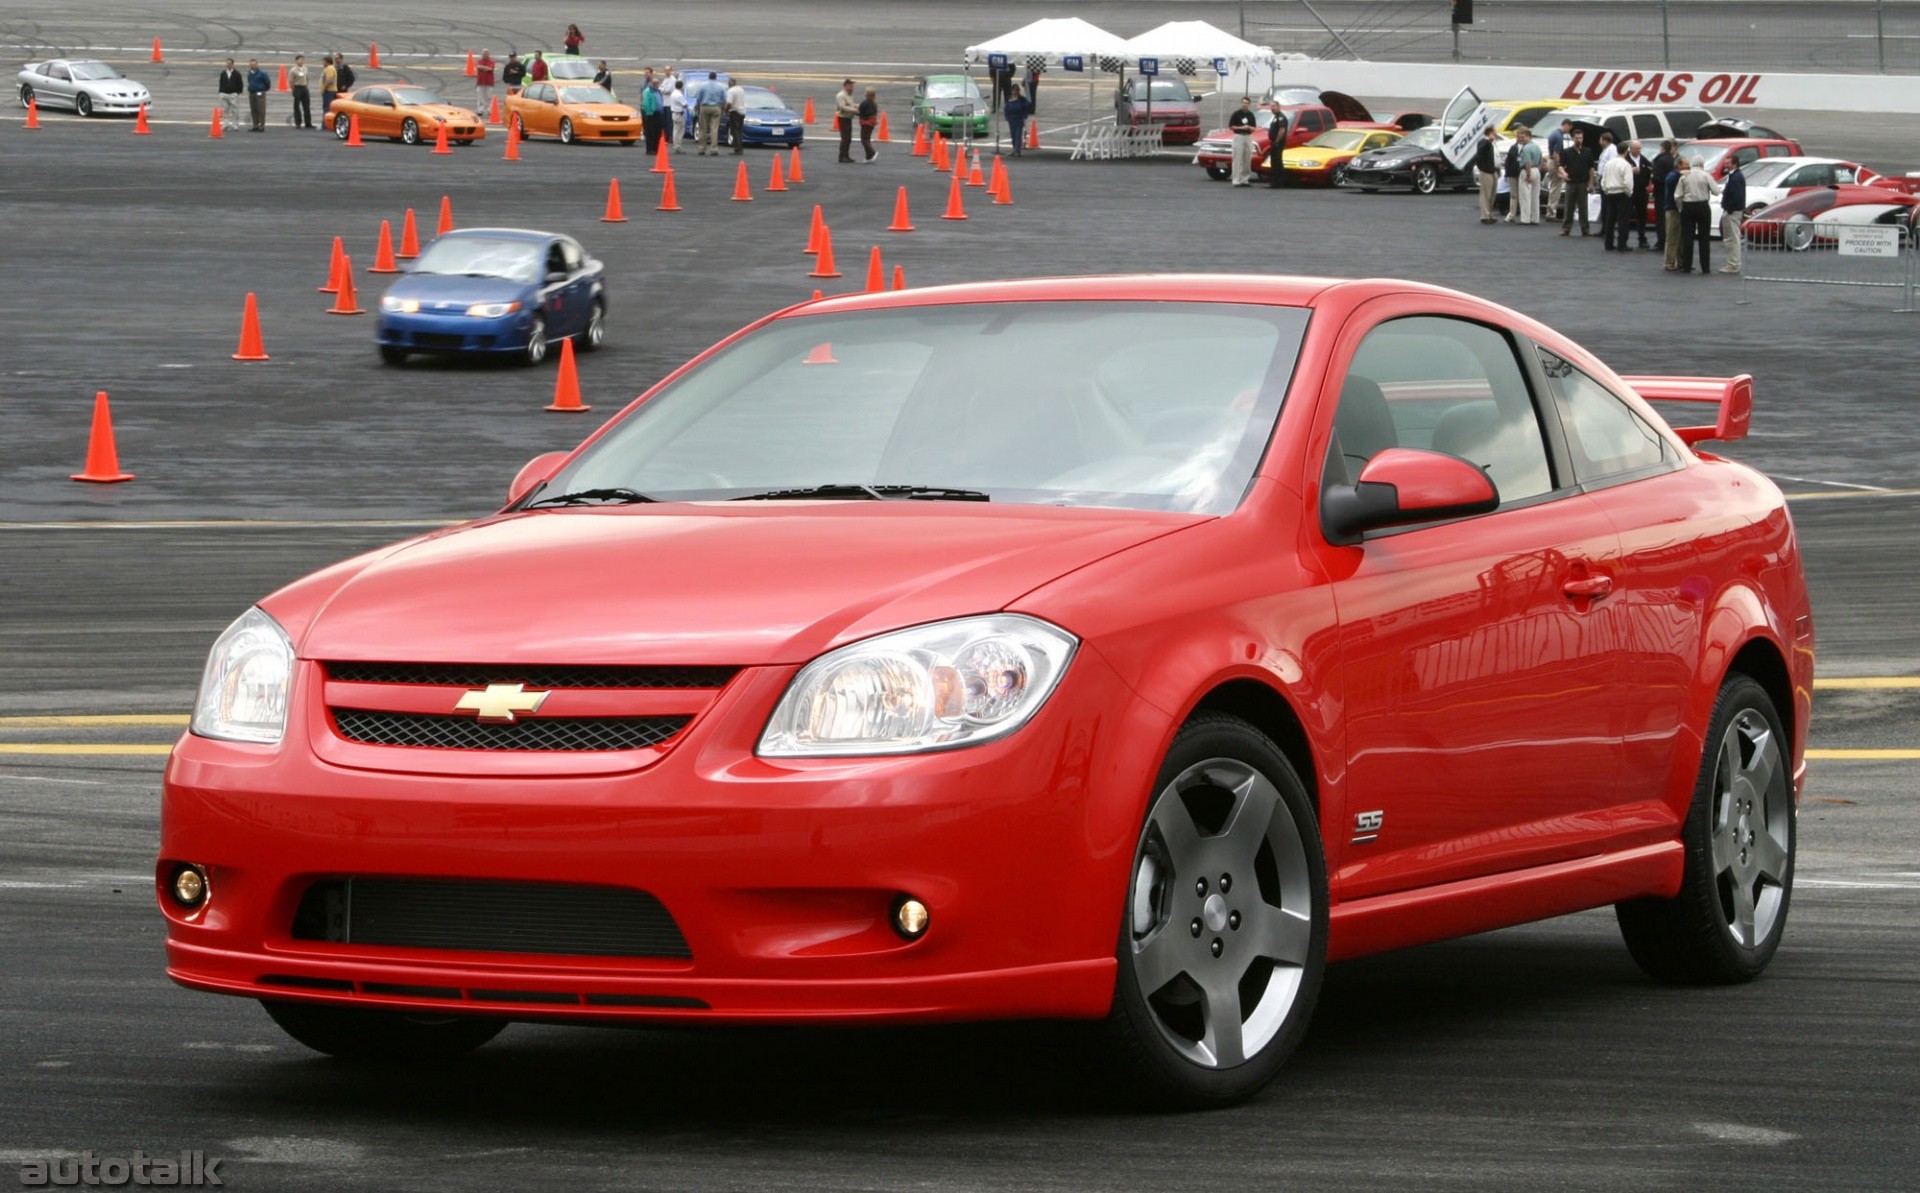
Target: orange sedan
573	112
403	113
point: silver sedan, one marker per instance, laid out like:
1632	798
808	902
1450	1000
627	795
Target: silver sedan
85	85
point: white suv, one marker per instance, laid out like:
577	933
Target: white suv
1648	124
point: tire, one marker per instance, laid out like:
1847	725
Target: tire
463	140
392	355
1426	179
1369	190
83	105
1337	177
1256	959
594	333
410	131
566	130
1797	233
1726	923
353	1033
1219	173
26	94
342	126
536	350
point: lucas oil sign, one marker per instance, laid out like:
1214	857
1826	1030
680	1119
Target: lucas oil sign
1660	87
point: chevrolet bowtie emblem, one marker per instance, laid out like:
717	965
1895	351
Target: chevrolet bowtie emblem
500	701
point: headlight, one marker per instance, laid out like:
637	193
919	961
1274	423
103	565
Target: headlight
392	305
951	683
492	310
243	693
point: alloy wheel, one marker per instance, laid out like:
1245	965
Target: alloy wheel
1751	806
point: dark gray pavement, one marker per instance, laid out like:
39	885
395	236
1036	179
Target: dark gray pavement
1531	1058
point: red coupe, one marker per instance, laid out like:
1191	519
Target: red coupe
965	653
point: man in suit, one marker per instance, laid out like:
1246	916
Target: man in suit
1276	147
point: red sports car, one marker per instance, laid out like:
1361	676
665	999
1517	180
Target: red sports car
964	653
1815	216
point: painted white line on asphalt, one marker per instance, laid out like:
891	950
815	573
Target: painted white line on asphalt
1741	1133
1814	480
1844	884
7	774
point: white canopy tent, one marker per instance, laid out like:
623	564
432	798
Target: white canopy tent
1195	47
1066	44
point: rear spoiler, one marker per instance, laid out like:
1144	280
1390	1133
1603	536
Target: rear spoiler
1733	395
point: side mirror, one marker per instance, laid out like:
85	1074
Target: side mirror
1401	486
537	471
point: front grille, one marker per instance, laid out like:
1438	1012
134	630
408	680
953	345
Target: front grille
438	339
489	917
433	732
479	675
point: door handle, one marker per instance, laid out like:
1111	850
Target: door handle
1588	588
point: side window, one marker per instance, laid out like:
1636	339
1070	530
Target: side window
1444	385
60	72
556	260
1687	122
1742	157
570	252
1778	151
378	97
1617	125
1605	437
1646	126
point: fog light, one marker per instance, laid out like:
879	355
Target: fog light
909	917
189	887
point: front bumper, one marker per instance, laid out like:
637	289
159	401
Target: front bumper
121	107
780	876
1391	176
453	333
792	134
608	130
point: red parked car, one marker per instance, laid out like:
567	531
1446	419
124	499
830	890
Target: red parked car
964	653
1815	216
1214	152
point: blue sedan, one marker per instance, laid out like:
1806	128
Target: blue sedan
769	120
508	291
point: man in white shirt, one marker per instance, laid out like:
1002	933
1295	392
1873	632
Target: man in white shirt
1616	194
737	117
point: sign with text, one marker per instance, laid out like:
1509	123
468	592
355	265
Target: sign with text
1072	62
997	61
1660	87
1868	241
1149	66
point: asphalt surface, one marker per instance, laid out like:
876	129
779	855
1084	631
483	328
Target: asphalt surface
1534	1057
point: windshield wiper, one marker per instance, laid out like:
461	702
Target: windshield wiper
593	497
871	493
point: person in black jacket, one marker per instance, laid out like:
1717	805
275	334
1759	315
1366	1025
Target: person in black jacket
1642	190
258	84
233	85
1662	166
1576	170
1487	170
513	74
1276	148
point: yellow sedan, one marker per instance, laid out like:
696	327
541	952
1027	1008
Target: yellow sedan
1324	159
573	112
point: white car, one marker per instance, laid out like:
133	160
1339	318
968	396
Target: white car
1774	178
87	86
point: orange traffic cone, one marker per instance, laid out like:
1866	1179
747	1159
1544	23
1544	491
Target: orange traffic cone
33	112
440	145
409	238
919	140
493	111
742	193
777	181
822	353
813	232
954	211
156	51
1033	134
806	118
881	132
795	174
902	221
383	261
513	141
899	278
284	86
939	155
663	160
446	217
353	131
333	267
816	294
997	182
974	176
668	200
343	300
140	128
214	132
823	264
373	57
566	386
251	347
473	68
103	461
876	272
615	215
960	164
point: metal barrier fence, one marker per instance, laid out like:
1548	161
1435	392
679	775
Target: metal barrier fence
1820	36
1876	257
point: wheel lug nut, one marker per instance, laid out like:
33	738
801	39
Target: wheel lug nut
1200	887
1226	883
1217	947
1233	921
1196	927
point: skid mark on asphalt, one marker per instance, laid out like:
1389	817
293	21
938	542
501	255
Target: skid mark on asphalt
295	1149
1741	1133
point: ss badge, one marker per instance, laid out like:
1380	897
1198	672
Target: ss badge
1366	826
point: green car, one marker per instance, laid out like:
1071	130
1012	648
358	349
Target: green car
937	97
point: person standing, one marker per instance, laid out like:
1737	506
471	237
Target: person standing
737	117
1637	198
869	116
233	85
676	98
1526	186
1509	182
1616	194
1663	164
846	110
329	86
1241	123
302	97
603	77
1018	110
514	74
1694	193
652	107
1277	148
537	69
1556	185
1486	170
483	83
1576	170
573	39
258	84
343	71
1733	217
709	102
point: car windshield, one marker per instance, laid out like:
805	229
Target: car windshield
762	99
1058	403
573	68
93	70
1768	173
586	95
952	89
1294	95
1342	138
415	97
1172	89
1422	138
483	256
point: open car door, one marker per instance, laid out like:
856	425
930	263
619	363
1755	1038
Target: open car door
1464	121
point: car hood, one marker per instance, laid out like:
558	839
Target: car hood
1315	153
444	112
1345	107
602	110
456	290
717	583
1393	155
773	114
